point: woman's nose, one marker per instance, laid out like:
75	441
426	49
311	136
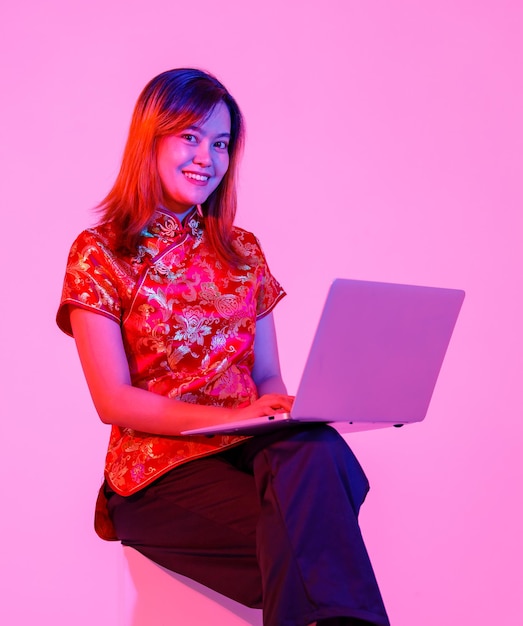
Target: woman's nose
202	156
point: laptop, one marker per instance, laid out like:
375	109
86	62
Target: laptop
374	360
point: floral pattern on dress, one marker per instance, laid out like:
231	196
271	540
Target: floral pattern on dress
188	326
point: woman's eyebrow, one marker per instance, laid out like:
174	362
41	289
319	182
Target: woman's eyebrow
199	129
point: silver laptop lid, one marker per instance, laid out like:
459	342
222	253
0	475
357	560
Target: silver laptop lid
377	352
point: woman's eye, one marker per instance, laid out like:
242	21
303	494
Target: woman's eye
189	137
221	145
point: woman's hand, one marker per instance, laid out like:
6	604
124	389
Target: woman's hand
268	404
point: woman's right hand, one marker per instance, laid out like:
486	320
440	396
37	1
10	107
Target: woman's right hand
268	404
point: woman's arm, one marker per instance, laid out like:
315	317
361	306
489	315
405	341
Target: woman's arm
266	372
100	347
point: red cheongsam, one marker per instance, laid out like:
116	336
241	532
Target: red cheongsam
188	325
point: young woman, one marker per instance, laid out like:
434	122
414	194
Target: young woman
170	306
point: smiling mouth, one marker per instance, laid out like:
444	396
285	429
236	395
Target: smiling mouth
199	177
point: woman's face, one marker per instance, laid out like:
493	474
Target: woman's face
192	162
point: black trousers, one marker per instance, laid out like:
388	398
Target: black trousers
271	523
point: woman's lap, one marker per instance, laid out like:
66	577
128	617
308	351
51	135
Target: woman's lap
286	502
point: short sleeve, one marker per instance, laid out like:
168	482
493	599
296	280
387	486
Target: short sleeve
91	280
269	291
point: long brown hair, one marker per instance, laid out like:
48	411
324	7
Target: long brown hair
170	102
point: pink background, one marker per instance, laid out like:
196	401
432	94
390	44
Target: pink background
384	143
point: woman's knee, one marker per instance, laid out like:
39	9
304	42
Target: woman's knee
322	455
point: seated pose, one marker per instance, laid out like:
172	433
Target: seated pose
170	306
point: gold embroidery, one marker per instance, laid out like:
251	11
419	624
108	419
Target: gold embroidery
188	325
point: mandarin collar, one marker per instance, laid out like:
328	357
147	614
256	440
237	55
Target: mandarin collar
167	226
165	230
